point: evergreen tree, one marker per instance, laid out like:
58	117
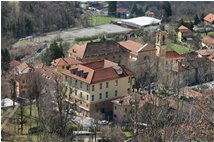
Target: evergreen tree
196	20
55	51
5	58
28	26
166	10
202	17
112	8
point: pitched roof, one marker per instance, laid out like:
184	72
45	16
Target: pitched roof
97	71
45	71
147	47
122	10
183	29
67	61
78	50
205	52
97	49
23	66
209	18
14	63
208	40
211	57
132	46
174	55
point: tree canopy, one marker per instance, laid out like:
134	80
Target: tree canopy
55	51
112	8
166	9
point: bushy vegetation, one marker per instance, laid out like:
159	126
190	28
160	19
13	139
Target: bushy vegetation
55	51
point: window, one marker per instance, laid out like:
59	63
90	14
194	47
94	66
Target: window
75	92
23	81
115	107
87	87
128	90
80	84
119	56
146	58
106	84
80	102
115	92
80	94
92	87
113	57
100	95
106	94
125	109
75	82
92	98
115	115
116	82
101	85
87	97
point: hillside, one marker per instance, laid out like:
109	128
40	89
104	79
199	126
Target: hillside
181	9
21	19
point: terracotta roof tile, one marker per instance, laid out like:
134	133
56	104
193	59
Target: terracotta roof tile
45	71
147	47
67	61
209	18
14	63
205	52
183	29
173	55
122	10
208	40
211	57
23	66
97	71
132	46
97	49
78	50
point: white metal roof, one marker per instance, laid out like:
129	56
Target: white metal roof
7	102
140	21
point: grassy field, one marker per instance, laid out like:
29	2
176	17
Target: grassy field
180	49
101	20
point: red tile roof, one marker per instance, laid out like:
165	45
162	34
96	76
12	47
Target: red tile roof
45	71
147	47
78	50
14	63
122	10
132	46
97	71
208	40
209	18
67	61
97	49
211	57
183	29
173	55
205	52
23	66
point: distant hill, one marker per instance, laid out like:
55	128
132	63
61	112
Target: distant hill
180	9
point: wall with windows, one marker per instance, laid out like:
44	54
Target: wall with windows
97	97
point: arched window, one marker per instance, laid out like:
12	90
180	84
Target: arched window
146	58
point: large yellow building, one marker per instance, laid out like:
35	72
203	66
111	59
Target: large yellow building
93	85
